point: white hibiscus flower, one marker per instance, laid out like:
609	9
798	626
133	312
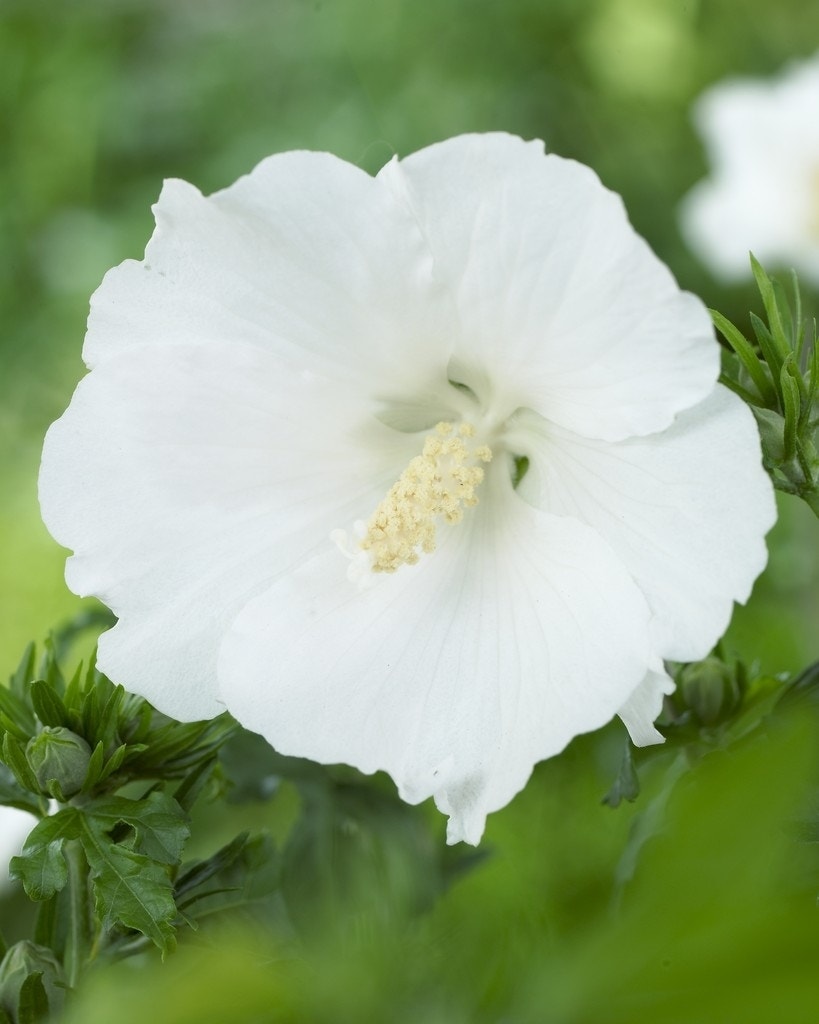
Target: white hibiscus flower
253	475
762	139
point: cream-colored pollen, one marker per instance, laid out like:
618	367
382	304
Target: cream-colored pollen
437	484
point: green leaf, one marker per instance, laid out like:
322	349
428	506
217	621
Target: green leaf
749	359
159	823
41	867
129	889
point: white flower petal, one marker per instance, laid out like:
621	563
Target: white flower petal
561	303
186	478
644	705
456	675
307	256
686	510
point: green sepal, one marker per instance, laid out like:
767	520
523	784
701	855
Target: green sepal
14	755
778	335
746	355
95	766
48	705
626	785
764	338
12	794
790	403
33	1006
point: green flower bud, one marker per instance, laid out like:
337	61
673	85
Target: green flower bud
710	689
22	960
61	756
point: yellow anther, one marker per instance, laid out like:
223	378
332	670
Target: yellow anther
438	483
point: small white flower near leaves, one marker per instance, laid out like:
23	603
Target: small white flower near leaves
15	826
762	140
425	472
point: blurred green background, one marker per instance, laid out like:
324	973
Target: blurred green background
102	99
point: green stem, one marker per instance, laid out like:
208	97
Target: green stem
78	941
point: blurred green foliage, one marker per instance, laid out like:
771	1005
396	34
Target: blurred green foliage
718	924
100	100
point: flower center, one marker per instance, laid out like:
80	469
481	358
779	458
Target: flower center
440	483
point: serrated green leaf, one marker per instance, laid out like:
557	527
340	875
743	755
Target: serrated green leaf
160	824
129	888
32	1007
14	755
41	867
749	359
48	705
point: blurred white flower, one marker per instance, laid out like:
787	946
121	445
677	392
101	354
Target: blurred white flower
253	478
762	139
15	826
